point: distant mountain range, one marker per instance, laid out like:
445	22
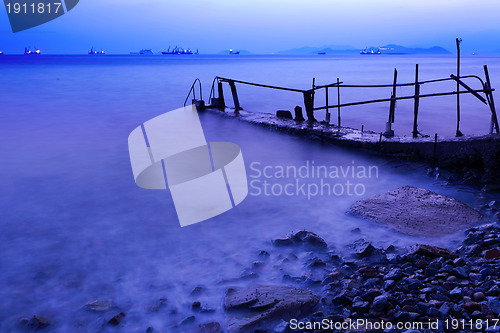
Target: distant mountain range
386	49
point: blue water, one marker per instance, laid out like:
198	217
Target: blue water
76	228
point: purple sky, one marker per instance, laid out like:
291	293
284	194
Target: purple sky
260	26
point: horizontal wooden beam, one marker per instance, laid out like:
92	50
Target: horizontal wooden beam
398	98
262	85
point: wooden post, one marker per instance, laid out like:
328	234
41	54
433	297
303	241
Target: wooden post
416	103
327	115
458	40
388	128
379	142
491	102
338	100
222	104
309	105
313	91
237	106
393	97
435	150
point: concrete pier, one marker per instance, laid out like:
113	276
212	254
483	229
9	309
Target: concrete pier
477	154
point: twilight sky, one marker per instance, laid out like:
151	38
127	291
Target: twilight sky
260	26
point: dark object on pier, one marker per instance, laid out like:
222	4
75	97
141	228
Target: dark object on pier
284	114
298	114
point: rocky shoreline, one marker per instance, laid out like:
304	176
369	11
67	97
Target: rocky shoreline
358	288
422	283
366	286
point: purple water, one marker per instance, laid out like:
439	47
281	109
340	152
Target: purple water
76	228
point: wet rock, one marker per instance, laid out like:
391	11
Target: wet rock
429	272
456	294
256	307
157	305
283	241
116	320
356	231
379	303
360	306
100	305
460	272
35	323
211	327
445	309
198	290
412	284
432	251
370	294
281	327
306	238
433	312
417	212
459	262
402	316
492	254
187	320
368	271
317	263
493	291
362	248
394	274
264	254
478	297
494	305
472	306
422	308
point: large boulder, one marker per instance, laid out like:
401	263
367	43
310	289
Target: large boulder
257	307
417	212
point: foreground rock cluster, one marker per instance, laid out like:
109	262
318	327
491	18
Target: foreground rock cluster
421	283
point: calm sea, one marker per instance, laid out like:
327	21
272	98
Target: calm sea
76	228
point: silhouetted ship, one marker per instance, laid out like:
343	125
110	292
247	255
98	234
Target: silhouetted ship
27	51
370	51
234	52
178	50
95	52
1	53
